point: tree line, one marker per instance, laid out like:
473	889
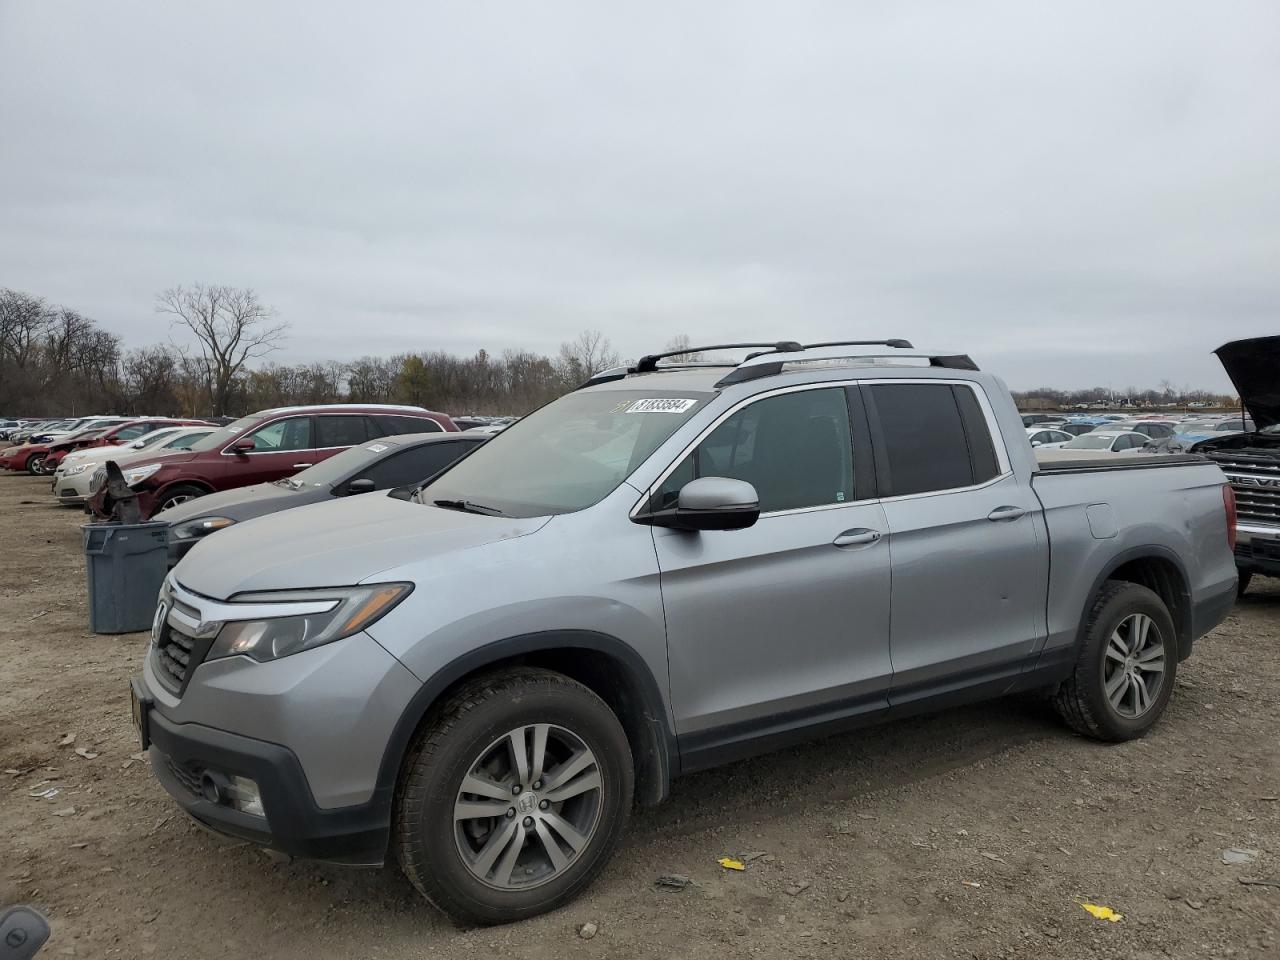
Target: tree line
55	361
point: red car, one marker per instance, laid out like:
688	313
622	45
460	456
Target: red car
31	456
121	433
259	448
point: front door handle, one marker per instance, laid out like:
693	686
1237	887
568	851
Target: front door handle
302	466
857	538
1005	513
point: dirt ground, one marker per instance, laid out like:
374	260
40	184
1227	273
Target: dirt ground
972	833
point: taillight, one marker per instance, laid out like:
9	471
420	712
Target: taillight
1229	503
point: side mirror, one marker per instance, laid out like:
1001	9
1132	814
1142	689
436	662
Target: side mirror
710	503
242	446
1035	443
361	485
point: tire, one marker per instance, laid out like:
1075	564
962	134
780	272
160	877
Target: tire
1243	584
176	495
449	859
1082	699
35	465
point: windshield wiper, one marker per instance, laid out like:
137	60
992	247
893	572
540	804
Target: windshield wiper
468	507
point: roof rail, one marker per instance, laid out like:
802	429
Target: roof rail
649	363
769	364
769	358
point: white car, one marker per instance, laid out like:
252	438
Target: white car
72	482
1109	441
1046	437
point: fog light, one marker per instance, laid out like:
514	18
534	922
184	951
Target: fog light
243	795
213	787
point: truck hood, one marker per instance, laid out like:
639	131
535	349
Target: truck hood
335	544
1254	368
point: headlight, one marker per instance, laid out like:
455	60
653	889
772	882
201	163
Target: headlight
75	469
353	609
138	474
201	527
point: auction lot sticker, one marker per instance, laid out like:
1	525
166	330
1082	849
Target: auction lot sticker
661	405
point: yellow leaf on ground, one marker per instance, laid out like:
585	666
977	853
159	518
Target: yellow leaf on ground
731	864
1103	913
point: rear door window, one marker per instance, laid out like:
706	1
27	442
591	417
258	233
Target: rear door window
794	448
396	424
930	436
340	431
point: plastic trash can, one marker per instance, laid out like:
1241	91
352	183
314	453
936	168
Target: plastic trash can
125	564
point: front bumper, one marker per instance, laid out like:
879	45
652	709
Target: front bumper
73	489
182	753
1258	549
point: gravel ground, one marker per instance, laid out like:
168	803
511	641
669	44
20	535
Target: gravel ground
971	833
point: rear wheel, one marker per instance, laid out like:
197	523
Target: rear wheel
1125	673
514	798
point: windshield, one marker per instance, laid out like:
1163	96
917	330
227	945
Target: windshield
332	469
147	439
567	455
223	435
1089	442
184	441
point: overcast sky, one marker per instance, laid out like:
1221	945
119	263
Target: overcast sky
1074	193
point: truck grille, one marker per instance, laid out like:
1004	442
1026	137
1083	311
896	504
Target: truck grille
174	653
1257	496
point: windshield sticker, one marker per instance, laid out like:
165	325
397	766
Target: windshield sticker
376	447
661	405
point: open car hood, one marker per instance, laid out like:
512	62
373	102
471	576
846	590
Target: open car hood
1254	368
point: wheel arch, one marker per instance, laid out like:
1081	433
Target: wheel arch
181	482
1160	570
604	664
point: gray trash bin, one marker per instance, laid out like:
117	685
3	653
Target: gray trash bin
125	564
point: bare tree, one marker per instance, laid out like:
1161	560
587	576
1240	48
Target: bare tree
585	356
681	342
231	326
24	319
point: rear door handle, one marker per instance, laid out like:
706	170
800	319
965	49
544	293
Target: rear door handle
856	538
1005	513
302	466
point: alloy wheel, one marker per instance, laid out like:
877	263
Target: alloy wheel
528	807
1134	666
174	501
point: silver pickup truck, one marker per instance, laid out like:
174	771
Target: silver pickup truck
675	566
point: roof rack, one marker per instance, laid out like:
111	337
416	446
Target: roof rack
769	360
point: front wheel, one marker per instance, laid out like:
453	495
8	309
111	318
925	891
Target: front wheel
176	495
514	797
1242	584
1125	673
35	465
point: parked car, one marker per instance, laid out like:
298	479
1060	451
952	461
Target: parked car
1109	441
262	447
31	456
1040	437
1074	428
1251	459
1034	419
696	565
120	433
76	477
69	427
1155	429
379	464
